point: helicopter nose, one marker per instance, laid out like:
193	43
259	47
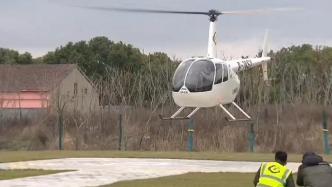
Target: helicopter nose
184	90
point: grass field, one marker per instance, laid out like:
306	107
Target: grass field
12	174
193	180
14	156
190	179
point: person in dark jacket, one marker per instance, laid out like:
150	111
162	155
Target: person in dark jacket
314	172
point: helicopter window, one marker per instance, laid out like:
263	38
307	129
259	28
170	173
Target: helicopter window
225	73
200	76
219	76
180	73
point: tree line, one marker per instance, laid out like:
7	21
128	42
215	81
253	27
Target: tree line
286	112
298	73
9	56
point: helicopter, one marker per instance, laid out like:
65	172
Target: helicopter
204	82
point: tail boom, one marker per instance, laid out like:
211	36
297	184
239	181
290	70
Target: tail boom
244	64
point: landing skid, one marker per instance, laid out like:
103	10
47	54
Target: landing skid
174	116
231	116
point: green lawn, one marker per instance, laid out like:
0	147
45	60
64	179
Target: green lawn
193	180
12	174
12	156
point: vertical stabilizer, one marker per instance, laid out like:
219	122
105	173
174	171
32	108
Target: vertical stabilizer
265	44
264	54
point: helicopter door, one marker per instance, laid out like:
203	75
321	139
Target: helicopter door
225	73
221	73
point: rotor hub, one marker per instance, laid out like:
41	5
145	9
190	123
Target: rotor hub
213	14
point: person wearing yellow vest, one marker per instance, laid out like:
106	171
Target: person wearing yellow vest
275	174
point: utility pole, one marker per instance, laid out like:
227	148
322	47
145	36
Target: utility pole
120	132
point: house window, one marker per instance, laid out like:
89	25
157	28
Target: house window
75	89
85	91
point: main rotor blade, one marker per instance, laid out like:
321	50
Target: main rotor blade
259	11
145	10
209	13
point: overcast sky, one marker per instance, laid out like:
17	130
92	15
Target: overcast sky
39	26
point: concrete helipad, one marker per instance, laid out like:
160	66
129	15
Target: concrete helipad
100	171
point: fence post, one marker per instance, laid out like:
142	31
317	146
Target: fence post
61	132
191	135
326	134
251	138
120	132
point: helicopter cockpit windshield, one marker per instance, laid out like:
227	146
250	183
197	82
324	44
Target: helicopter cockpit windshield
180	74
198	75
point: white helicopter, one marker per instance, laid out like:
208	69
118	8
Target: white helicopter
203	82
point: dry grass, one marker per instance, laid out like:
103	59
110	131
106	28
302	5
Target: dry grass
293	128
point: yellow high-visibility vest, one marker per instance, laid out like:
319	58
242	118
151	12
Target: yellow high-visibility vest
273	174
